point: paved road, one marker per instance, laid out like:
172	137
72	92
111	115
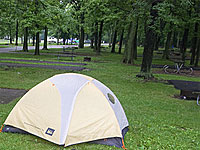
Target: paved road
15	48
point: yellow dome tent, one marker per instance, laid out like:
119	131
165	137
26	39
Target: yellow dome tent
68	109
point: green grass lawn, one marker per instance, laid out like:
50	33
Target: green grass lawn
157	120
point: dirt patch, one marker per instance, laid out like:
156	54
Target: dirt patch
196	73
8	95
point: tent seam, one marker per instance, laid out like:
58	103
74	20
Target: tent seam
70	116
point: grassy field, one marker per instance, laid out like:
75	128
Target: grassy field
157	120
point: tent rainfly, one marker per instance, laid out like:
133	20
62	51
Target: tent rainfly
68	109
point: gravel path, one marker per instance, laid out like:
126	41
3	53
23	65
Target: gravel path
71	68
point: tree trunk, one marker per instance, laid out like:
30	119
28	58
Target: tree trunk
121	41
178	41
148	54
58	38
184	43
159	37
25	44
167	45
72	39
197	54
194	44
129	47
10	35
17	27
64	38
135	41
99	37
114	41
45	38
81	39
33	39
37	45
92	42
156	47
96	37
150	37
92	37
174	39
111	37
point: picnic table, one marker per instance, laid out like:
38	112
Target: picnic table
188	89
67	52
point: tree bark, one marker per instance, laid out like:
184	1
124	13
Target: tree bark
58	38
16	37
96	37
92	42
121	41
114	41
111	37
184	43
10	35
81	39
156	47
174	39
25	44
197	54
135	41
150	37
33	39
167	45
37	45
99	37
159	37
45	38
129	47
92	37
194	44
64	38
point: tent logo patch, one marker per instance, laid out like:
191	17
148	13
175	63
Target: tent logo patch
50	131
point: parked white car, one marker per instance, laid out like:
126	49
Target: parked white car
51	40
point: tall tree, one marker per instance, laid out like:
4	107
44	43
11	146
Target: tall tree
45	38
114	40
25	44
82	32
197	54
150	38
121	41
99	37
194	43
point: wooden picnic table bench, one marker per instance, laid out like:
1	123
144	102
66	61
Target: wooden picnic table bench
67	52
